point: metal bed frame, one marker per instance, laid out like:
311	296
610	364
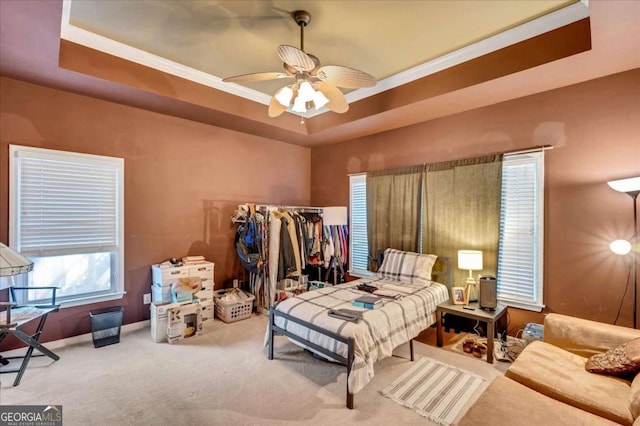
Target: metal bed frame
349	341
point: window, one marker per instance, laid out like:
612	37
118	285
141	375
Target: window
520	256
358	243
521	231
66	213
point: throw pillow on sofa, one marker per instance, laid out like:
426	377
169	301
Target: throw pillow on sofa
619	361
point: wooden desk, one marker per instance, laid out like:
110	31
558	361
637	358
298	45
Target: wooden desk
19	317
488	317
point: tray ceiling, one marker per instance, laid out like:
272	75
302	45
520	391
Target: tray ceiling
431	58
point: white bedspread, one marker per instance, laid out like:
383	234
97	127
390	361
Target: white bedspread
376	335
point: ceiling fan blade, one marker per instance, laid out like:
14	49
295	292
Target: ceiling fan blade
276	108
296	58
337	101
349	78
260	76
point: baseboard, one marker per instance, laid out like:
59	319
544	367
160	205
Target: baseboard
84	338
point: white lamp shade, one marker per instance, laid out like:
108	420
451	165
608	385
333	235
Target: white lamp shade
299	105
284	96
625	185
306	92
620	247
334	216
470	260
319	99
12	262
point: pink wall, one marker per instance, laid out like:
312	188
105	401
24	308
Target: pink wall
182	181
181	175
595	128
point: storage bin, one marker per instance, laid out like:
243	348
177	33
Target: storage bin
232	311
105	325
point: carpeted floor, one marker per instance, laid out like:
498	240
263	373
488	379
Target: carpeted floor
221	377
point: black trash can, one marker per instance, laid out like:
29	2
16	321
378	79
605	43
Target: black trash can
105	325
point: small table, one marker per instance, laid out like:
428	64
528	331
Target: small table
488	317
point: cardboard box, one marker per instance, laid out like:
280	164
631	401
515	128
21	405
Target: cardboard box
206	323
207	311
205	295
159	320
203	270
207	303
183	322
165	276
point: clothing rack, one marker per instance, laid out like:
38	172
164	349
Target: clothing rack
264	278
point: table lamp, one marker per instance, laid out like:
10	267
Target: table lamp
13	263
335	216
470	260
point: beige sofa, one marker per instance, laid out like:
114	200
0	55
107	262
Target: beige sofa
548	383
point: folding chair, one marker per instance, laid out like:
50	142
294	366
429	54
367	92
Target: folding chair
15	316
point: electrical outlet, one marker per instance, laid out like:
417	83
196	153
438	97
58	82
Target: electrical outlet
146	298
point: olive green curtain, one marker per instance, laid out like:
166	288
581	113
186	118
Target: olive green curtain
394	203
462	211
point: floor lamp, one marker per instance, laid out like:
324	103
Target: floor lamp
12	263
335	216
630	186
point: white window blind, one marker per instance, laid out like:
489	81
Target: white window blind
520	259
358	242
67	207
66	213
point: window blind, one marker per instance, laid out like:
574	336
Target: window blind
67	205
358	262
521	231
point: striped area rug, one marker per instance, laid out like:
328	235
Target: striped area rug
434	390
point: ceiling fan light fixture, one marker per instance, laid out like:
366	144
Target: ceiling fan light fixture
315	85
299	105
306	92
319	99
284	96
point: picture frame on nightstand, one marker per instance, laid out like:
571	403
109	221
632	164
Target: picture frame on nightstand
458	295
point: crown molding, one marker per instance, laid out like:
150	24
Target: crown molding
541	25
95	41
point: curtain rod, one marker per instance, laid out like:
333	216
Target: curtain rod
519	151
532	149
279	206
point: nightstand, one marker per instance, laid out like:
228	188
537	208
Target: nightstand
486	316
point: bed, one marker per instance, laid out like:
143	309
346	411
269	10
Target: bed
305	319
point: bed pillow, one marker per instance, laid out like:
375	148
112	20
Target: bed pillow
407	267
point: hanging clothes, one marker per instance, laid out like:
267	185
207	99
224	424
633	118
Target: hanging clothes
295	248
313	228
329	249
274	253
288	240
287	260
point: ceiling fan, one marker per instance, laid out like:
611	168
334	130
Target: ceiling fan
314	85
